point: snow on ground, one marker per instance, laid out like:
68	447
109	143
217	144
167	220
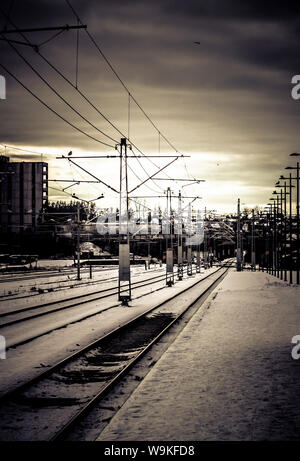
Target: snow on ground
55	263
28	359
30	283
229	376
101	280
30	328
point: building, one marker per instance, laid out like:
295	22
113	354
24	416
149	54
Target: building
23	193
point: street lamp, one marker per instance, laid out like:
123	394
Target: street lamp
280	228
269	234
285	193
290	221
275	235
295	154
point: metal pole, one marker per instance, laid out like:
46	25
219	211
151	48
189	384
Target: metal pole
277	236
285	230
298	243
291	232
238	249
199	234
273	240
262	259
124	243
149	256
78	241
189	247
171	236
268	247
205	242
252	244
169	246
179	246
281	234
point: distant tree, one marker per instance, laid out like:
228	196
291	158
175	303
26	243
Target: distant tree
257	209
61	211
246	212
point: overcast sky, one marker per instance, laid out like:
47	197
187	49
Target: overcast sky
226	102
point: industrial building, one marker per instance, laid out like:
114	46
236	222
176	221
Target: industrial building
23	193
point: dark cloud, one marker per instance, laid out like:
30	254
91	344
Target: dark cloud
230	95
235	9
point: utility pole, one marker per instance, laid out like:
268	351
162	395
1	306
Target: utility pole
281	234
238	238
273	237
298	228
200	231
253	262
189	247
205	243
124	286
277	237
179	244
124	281
78	241
169	228
179	225
4	32
291	229
285	232
169	242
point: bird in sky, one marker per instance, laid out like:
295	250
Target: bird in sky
70	153
197	43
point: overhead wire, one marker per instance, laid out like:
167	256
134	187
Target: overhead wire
87	99
152	179
64	77
57	93
8	13
77	51
121	81
51	38
146	185
100	113
81	174
50	108
60	190
23	150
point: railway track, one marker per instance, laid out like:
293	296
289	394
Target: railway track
61	304
49	406
60	288
58	306
85	298
48	274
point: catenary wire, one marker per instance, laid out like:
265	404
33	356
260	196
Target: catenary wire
56	92
85	97
50	108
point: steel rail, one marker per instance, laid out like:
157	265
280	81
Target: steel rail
22	387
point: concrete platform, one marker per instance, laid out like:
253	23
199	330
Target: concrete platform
229	376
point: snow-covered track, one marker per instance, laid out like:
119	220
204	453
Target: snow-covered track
47	273
64	303
49	405
59	306
56	286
